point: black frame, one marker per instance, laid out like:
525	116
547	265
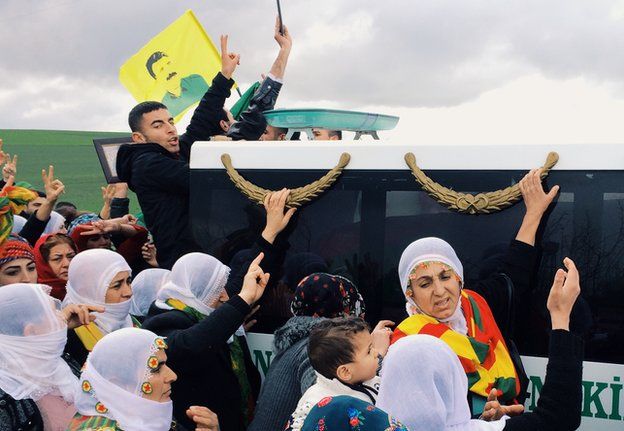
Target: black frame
101	147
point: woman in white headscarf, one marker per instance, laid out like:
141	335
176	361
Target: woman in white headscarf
432	279
98	277
145	288
200	324
424	385
36	382
126	385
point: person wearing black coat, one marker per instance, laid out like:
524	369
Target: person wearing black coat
203	344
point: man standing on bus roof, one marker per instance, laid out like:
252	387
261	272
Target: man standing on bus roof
158	169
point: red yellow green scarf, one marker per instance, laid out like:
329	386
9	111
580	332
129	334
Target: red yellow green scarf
482	352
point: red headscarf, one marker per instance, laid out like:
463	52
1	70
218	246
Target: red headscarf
45	275
15	247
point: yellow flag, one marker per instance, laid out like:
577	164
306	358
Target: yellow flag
176	67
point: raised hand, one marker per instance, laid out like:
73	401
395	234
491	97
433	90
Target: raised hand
381	336
204	418
494	411
148	251
255	281
10	167
229	60
53	187
108	193
563	293
277	219
535	198
78	314
536	201
284	41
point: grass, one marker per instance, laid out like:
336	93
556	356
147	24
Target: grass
75	162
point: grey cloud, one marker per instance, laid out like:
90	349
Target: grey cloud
360	52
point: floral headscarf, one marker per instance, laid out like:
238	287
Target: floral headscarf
327	295
349	414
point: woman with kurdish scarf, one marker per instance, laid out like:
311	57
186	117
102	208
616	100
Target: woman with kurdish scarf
101	278
424	384
36	380
17	261
432	280
207	347
53	253
126	385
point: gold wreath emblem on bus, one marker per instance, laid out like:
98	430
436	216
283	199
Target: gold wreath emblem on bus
482	203
298	196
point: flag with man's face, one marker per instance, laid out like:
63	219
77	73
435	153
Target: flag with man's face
176	67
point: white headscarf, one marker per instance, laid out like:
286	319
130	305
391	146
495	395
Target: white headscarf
89	276
145	287
431	250
425	387
112	381
32	339
197	279
18	224
55	223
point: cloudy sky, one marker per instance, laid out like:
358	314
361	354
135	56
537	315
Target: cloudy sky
523	71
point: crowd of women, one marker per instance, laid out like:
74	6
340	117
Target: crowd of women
93	336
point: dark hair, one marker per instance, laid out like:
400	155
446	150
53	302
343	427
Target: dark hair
64	204
335	133
54	240
40	193
153	59
69	212
222	115
331	344
136	115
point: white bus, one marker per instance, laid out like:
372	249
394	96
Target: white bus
361	223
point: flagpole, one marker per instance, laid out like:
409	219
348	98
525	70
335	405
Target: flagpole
239	92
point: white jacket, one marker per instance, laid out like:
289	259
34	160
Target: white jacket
325	387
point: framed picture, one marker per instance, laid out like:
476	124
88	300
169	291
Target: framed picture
106	150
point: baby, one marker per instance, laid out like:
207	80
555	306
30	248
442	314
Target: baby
346	358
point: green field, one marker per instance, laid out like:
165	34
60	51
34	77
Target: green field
74	159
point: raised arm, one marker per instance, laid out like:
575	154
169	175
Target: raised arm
209	118
536	201
285	43
559	404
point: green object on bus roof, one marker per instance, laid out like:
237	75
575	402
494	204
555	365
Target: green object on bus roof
244	101
331	119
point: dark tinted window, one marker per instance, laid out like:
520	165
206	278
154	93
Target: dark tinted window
361	226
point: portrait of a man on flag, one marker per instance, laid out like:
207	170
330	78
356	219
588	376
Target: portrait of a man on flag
174	67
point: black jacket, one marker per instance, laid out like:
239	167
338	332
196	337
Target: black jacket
559	404
161	183
199	354
160	179
252	123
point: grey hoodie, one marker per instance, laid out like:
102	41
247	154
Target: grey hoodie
289	376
